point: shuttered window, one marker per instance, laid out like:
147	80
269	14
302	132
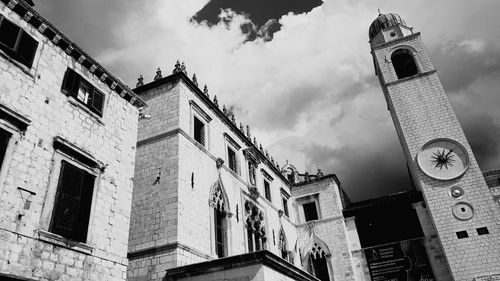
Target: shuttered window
199	131
71	213
74	85
231	159
16	43
267	190
4	142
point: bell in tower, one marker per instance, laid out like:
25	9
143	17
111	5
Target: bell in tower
438	154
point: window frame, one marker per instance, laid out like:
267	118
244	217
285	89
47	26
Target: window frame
9	150
48	211
267	178
231	144
12	53
285	197
301	201
203	117
73	82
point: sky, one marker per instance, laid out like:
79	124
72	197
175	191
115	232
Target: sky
300	72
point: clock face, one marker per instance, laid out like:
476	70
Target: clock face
443	159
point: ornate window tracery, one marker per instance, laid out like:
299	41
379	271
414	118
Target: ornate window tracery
220	213
256	231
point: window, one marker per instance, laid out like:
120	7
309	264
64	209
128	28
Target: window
267	190
199	131
310	211
285	206
4	143
482	231
403	63
218	202
71	214
462	234
17	43
74	85
254	223
318	265
231	160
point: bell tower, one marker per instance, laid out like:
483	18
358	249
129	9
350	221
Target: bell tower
440	159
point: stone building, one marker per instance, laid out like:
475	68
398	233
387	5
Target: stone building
67	150
205	189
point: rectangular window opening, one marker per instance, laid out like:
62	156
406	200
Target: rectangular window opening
482	231
199	131
267	190
71	211
4	143
231	159
462	234
285	206
310	211
76	86
16	43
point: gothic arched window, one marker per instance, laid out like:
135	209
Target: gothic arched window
256	232
404	63
318	262
219	214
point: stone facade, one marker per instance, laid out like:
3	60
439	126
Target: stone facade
422	112
44	129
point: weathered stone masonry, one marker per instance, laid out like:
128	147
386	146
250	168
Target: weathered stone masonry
49	127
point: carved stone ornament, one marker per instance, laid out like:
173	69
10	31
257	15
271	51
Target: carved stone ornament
140	81
254	192
219	162
158	74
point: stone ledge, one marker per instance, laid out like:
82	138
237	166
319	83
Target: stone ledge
58	240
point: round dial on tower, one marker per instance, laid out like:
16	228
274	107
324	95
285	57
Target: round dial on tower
443	159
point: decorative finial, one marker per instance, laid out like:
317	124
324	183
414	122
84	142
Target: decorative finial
248	131
216	102
278	166
379	13
177	67
320	173
195	80
267	154
224	109
272	160
241	127
205	90
233	119
140	81
255	141
158	74
260	148
183	68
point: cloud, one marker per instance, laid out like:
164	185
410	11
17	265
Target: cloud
302	76
264	14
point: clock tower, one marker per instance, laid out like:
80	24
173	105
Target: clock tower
440	159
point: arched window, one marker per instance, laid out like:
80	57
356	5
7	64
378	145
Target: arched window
256	232
404	63
219	214
318	261
283	247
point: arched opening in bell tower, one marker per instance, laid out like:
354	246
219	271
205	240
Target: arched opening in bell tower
404	63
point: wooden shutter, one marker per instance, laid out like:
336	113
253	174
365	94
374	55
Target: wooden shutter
97	102
4	142
71	82
72	207
9	33
26	49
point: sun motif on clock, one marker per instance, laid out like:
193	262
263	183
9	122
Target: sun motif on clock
443	159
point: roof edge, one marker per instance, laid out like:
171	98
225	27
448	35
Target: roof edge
44	27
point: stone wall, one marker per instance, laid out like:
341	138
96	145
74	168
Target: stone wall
30	169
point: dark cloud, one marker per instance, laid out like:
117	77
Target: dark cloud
364	171
483	134
264	14
460	63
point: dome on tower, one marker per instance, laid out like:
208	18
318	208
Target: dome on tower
384	21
